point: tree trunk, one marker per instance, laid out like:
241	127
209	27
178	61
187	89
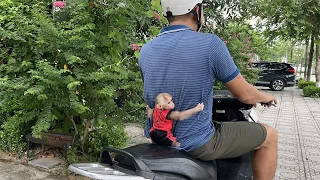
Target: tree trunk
86	136
306	60
291	53
310	58
317	62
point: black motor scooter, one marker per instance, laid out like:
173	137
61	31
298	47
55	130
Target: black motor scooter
150	161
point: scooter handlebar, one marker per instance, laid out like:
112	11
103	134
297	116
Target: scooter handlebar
271	103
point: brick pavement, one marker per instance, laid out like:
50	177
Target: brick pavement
297	120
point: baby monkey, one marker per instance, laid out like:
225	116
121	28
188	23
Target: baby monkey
163	115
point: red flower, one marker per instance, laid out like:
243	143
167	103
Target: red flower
59	4
156	15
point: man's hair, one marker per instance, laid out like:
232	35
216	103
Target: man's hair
160	98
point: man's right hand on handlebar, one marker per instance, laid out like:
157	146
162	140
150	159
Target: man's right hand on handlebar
270	101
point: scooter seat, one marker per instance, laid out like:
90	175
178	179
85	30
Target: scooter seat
169	160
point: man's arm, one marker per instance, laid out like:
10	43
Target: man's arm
182	115
247	93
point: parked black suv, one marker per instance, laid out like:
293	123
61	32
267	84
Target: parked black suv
275	75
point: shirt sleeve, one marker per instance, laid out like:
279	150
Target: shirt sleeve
148	127
222	65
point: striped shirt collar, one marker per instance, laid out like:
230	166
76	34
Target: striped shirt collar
174	28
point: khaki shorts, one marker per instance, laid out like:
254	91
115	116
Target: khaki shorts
231	139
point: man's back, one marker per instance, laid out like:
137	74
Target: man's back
180	62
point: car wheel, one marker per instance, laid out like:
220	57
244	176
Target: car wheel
277	84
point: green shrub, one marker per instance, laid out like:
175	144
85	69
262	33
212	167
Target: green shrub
311	91
304	83
53	72
108	133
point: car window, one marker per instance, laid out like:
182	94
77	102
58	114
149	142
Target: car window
266	66
279	66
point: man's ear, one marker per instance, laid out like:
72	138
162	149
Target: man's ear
196	8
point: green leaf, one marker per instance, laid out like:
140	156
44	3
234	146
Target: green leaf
34	91
136	54
154	30
150	14
122	20
71	59
107	91
42	97
71	86
156	5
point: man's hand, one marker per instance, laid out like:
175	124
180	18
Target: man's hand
269	101
199	107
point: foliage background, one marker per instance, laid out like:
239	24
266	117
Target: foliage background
75	70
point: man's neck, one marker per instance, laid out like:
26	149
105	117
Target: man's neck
190	24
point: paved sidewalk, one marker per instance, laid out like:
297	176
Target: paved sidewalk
297	120
13	171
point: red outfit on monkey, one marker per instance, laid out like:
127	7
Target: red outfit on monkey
161	131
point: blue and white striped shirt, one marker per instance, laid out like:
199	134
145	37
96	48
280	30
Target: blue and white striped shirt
185	64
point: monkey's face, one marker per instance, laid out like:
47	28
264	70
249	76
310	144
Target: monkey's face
169	103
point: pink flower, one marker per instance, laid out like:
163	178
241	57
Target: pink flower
59	4
234	35
133	47
239	34
156	15
221	38
226	42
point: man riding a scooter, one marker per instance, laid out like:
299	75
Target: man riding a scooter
185	63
